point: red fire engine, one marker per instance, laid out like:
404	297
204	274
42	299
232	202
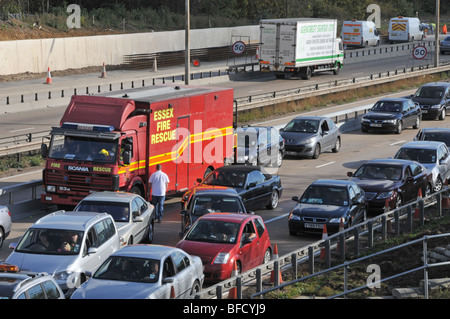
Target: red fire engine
113	141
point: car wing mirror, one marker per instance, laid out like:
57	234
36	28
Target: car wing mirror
92	250
349	174
138	219
168	280
295	198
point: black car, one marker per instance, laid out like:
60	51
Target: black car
393	180
210	199
256	188
326	202
434	99
444	45
393	115
438	134
259	145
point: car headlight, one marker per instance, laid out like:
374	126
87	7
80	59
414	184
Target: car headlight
50	188
363	120
437	106
385	195
307	141
294	217
62	276
390	121
335	220
222	258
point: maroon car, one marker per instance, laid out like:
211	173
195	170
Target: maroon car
223	239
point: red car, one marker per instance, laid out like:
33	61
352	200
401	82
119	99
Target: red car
221	239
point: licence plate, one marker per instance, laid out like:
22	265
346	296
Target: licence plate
316	226
375	125
424	111
291	153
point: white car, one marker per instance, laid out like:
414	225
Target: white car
144	272
5	224
133	215
65	244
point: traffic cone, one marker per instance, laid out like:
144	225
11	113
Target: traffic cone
172	293
232	293
324	236
103	75
417	210
155	65
49	77
445	199
272	274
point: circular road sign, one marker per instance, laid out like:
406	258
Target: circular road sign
419	52
238	47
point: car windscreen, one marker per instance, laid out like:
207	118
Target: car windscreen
302	126
325	195
129	269
430	92
214	231
387	106
216	203
50	242
228	178
119	211
379	172
423	156
438	137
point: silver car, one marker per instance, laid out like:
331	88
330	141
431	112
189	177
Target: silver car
308	136
65	244
5	224
433	155
145	272
133	215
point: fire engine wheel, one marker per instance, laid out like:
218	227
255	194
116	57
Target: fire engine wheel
136	190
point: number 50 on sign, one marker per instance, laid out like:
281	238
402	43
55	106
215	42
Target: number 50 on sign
419	52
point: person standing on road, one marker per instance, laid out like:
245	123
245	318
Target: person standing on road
158	183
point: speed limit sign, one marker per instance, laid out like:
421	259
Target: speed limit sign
419	52
238	47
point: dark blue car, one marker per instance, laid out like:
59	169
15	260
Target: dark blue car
326	202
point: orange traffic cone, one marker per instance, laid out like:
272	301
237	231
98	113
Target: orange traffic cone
324	236
272	274
49	77
103	75
232	293
172	293
417	210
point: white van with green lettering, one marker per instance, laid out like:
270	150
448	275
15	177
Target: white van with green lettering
300	47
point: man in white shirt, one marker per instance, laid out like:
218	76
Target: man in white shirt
158	182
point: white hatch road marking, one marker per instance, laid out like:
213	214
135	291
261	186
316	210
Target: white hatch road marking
326	164
397	142
22	129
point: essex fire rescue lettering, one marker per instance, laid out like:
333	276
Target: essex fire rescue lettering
164	131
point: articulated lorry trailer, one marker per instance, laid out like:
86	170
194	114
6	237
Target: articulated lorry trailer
113	141
300	47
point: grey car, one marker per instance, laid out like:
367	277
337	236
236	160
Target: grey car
309	136
145	272
433	155
5	224
133	215
65	244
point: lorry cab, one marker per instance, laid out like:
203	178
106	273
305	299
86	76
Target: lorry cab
359	34
405	29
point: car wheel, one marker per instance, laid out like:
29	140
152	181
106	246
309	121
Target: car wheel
337	145
442	115
195	288
439	184
279	159
399	201
417	124
428	190
274	199
316	152
2	237
267	256
399	127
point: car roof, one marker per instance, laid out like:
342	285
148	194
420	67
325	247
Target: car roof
394	99
332	182
238	168
111	196
69	220
423	144
436	129
310	117
230	217
145	251
391	161
437	84
10	282
213	190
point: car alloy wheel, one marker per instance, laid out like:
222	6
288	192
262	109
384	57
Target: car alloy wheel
267	256
273	200
399	127
316	152
337	145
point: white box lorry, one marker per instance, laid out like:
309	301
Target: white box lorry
359	34
300	47
404	29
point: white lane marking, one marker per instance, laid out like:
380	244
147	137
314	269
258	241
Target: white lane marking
276	218
326	164
24	174
398	142
22	129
